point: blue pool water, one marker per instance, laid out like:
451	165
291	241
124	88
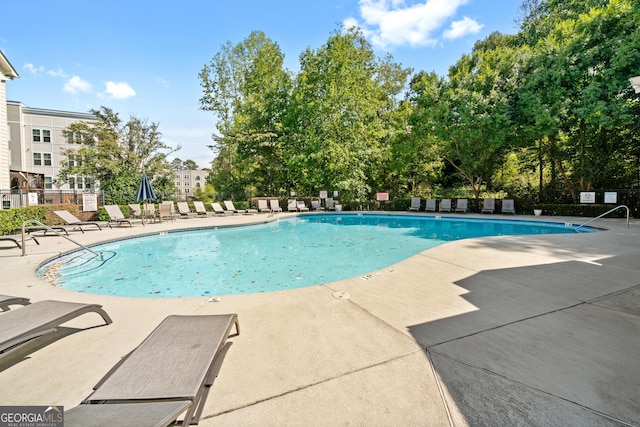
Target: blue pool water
284	254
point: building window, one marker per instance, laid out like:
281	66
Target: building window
47	159
71	159
36	135
48	182
80	183
72	183
46	135
6	204
186	183
37	159
198	184
186	190
197	177
186	177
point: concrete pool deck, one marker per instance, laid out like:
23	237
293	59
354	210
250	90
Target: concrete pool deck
518	330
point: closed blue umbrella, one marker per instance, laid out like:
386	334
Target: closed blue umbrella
145	192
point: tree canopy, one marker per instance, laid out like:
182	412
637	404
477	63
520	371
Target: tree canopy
551	103
115	153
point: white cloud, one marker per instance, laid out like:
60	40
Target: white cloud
120	90
75	84
58	73
462	28
392	23
33	69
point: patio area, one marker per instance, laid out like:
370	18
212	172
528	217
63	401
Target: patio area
521	330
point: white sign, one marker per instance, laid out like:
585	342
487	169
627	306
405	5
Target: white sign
33	199
89	202
382	196
610	197
587	197
323	194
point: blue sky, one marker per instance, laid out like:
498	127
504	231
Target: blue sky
143	58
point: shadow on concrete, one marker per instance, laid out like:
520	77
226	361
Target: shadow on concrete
552	344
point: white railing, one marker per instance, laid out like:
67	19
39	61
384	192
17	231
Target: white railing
47	228
606	213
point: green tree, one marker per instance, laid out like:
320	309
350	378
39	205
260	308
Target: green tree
247	88
470	113
575	100
116	153
337	132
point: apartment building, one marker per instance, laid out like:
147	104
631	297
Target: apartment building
37	144
7	72
187	181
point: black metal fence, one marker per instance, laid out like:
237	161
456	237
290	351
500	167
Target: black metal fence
21	198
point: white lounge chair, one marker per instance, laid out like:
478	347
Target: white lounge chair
185	211
274	204
218	210
415	204
302	207
116	216
292	205
508	206
488	205
200	209
71	220
263	206
461	205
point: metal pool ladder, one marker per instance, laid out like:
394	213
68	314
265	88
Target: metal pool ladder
46	227
606	213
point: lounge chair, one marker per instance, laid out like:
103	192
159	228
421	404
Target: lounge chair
116	217
19	326
430	205
17	239
8	300
415	204
135	211
149	212
274	204
263	206
302	207
461	205
508	206
184	211
445	205
218	210
200	209
488	205
73	221
316	206
292	205
168	374
228	204
165	212
329	204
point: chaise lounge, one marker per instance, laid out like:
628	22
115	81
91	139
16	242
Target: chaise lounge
7	300
16	240
73	221
168	374
17	327
116	217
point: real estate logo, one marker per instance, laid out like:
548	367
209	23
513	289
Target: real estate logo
31	416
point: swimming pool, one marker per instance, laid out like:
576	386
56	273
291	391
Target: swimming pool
283	254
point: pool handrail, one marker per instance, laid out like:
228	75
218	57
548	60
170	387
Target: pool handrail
606	213
46	227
